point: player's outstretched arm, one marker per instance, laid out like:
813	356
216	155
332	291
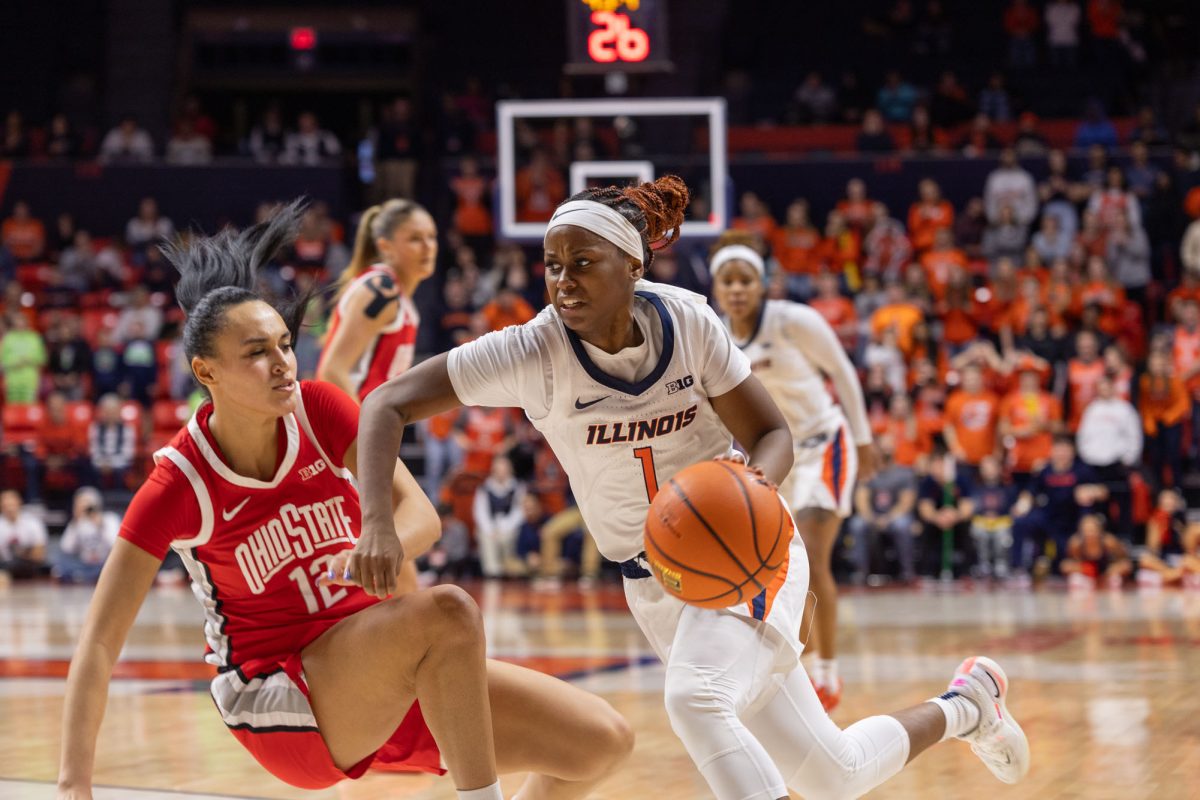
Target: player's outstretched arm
423	391
124	583
758	426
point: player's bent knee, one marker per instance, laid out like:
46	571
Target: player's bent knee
689	696
455	612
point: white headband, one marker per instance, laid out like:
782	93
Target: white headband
736	252
601	220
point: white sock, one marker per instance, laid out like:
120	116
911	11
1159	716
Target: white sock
486	793
829	672
962	715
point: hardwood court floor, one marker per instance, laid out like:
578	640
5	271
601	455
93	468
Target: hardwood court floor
1102	684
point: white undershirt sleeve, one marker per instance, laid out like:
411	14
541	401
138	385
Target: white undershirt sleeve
809	332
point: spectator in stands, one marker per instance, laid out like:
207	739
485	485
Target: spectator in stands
398	150
539	188
1050	507
1051	242
15	143
22	540
139	364
1058	193
1021	23
22	357
507	308
1097	555
1110	442
472	193
310	144
928	214
188	147
111	444
841	249
1141	176
874	137
1030	418
63	235
1165	404
87	540
70	358
61	141
1029	142
1010	184
192	114
896	98
938	261
1095	128
86	265
1084	372
755	216
837	309
922	136
267	138
972	417
127	143
795	246
1129	255
61	447
1062	33
886	248
991	526
498	517
853	98
529	537
994	100
23	234
1149	131
882	353
149	228
1120	370
979	139
140	319
815	100
944	509
884	504
899	314
107	367
950	106
1189	248
969	227
856	207
1114	200
1004	238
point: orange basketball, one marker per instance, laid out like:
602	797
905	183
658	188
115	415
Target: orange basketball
717	534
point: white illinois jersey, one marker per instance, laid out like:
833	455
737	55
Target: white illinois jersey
618	436
791	351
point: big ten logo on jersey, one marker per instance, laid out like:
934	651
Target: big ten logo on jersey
681	384
641	430
313	470
296	532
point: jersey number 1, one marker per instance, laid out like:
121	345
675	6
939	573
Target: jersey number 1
646	456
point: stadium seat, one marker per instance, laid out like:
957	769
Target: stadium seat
96	319
21	423
80	412
169	415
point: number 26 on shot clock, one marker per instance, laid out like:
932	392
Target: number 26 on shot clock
616	40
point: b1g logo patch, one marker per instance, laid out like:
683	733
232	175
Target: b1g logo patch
680	385
312	470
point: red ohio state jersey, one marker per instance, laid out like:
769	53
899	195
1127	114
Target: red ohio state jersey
254	549
392	351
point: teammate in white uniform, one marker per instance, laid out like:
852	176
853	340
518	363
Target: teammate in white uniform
630	382
791	350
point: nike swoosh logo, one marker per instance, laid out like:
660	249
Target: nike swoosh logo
580	406
994	684
229	514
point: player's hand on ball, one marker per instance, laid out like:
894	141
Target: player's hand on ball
739	458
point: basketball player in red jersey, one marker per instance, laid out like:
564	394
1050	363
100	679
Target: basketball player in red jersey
319	682
373	331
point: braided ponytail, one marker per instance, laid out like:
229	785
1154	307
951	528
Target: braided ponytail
655	209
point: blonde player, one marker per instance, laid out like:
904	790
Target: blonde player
373	330
630	382
792	350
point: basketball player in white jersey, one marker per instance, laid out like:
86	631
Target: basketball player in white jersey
630	382
373	328
791	350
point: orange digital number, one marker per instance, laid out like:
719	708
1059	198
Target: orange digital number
616	40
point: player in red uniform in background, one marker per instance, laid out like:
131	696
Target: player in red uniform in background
373	330
318	681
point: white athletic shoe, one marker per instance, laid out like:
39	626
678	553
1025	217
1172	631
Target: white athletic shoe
998	740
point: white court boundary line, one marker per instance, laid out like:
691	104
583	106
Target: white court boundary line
12	789
507	112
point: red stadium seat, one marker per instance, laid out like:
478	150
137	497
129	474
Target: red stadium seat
96	319
169	415
80	412
21	423
33	277
131	412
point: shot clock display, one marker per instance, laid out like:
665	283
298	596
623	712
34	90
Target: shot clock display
617	35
